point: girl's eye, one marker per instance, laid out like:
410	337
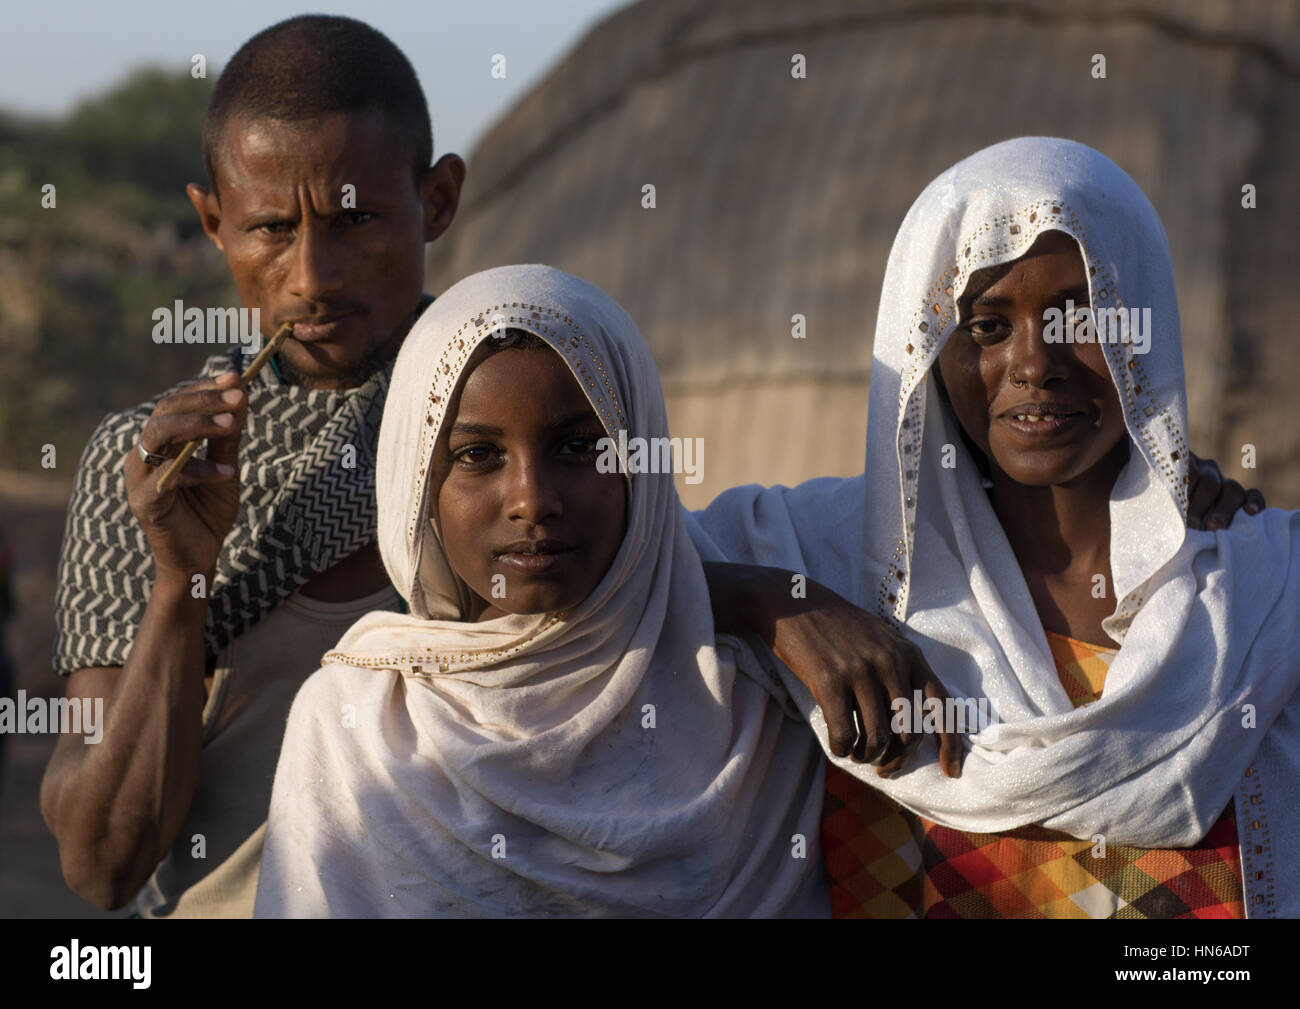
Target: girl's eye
475	455
584	445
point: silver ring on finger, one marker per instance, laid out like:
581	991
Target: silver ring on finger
150	458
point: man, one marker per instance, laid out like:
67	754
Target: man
197	615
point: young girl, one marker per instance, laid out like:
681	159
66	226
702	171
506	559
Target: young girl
1023	519
554	728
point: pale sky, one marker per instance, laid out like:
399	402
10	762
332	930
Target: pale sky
53	52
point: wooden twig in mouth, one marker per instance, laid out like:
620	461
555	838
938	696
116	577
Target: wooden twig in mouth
256	365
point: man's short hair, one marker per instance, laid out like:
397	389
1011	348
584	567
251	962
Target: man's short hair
313	65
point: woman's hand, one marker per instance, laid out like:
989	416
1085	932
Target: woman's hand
1212	501
854	664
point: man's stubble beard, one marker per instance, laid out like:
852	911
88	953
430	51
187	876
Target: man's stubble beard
355	375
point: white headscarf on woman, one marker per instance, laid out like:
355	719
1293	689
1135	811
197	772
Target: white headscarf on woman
611	761
1208	621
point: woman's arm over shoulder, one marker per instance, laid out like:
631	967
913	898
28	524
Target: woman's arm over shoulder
798	528
853	664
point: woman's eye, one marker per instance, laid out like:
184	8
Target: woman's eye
985	329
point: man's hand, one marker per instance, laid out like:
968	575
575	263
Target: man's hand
1212	501
186	525
117	807
854	664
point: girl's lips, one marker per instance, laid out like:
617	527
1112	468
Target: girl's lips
538	563
1041	430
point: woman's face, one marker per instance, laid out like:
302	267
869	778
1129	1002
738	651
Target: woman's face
1061	414
527	521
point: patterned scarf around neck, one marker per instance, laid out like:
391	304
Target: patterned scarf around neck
306	501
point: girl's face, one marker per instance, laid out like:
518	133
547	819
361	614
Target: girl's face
1043	413
527	521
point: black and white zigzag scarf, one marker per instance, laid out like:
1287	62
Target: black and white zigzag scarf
306	501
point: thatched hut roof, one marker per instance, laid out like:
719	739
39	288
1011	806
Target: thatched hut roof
777	196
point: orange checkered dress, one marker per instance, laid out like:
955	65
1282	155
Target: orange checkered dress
884	862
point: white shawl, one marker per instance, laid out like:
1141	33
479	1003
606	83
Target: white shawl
1208	622
614	761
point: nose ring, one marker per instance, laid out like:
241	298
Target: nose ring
1019	383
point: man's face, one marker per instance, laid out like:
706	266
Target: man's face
323	225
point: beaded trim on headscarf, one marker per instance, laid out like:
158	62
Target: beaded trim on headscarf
566	337
995	242
557	329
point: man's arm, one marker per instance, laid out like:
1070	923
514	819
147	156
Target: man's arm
116	806
854	664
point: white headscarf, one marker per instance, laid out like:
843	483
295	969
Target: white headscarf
611	761
1208	621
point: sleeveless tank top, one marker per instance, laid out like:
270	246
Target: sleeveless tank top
211	870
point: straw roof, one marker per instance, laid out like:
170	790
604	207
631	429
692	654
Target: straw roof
777	196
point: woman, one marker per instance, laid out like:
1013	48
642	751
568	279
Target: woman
1026	527
553	728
